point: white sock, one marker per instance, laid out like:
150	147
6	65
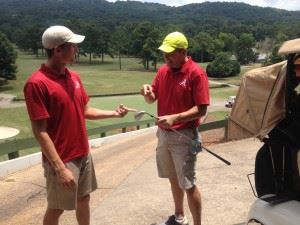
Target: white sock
180	219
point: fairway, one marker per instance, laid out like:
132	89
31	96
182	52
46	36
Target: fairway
110	103
18	118
99	79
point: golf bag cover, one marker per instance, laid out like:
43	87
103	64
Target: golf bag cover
274	170
277	161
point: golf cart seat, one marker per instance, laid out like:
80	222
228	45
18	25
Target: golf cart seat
285	213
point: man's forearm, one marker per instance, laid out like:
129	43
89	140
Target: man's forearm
39	129
191	114
95	114
48	148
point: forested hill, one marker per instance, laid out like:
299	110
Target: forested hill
193	18
132	10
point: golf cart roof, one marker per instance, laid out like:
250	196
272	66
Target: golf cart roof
290	47
260	102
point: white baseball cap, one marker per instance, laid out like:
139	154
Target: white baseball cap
57	35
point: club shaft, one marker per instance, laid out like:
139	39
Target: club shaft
190	139
217	156
209	151
149	114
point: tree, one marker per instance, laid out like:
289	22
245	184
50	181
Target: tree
222	66
203	42
169	28
274	57
146	40
281	37
97	41
122	40
29	38
218	46
8	57
229	41
244	49
150	52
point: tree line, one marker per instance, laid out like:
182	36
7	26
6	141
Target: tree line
137	29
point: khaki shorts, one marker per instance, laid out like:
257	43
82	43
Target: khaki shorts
174	158
63	198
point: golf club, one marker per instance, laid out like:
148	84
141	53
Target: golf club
139	115
128	109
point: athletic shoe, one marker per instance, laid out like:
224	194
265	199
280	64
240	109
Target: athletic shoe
172	221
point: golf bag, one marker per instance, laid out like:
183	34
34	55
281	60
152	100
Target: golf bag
277	161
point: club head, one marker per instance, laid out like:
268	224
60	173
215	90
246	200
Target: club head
139	115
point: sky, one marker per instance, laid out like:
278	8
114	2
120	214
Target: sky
281	4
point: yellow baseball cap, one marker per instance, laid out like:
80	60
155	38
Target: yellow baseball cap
173	41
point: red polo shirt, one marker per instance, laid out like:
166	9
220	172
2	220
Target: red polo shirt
61	100
179	91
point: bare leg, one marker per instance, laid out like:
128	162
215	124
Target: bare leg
51	216
178	196
83	210
194	201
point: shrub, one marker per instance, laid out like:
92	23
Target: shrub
223	66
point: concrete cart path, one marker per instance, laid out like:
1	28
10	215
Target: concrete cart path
144	199
129	191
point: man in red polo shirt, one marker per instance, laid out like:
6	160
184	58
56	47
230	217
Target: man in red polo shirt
57	106
181	91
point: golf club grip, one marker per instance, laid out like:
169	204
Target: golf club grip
219	157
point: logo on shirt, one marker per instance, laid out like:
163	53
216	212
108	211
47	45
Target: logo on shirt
77	84
183	83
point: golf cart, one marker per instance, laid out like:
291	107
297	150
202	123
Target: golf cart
230	101
267	106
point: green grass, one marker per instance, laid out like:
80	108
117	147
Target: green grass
219	115
223	93
237	79
110	103
98	78
18	118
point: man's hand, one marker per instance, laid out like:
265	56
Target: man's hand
66	178
122	110
146	90
148	93
166	121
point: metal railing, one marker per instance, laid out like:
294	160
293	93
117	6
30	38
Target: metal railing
13	146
